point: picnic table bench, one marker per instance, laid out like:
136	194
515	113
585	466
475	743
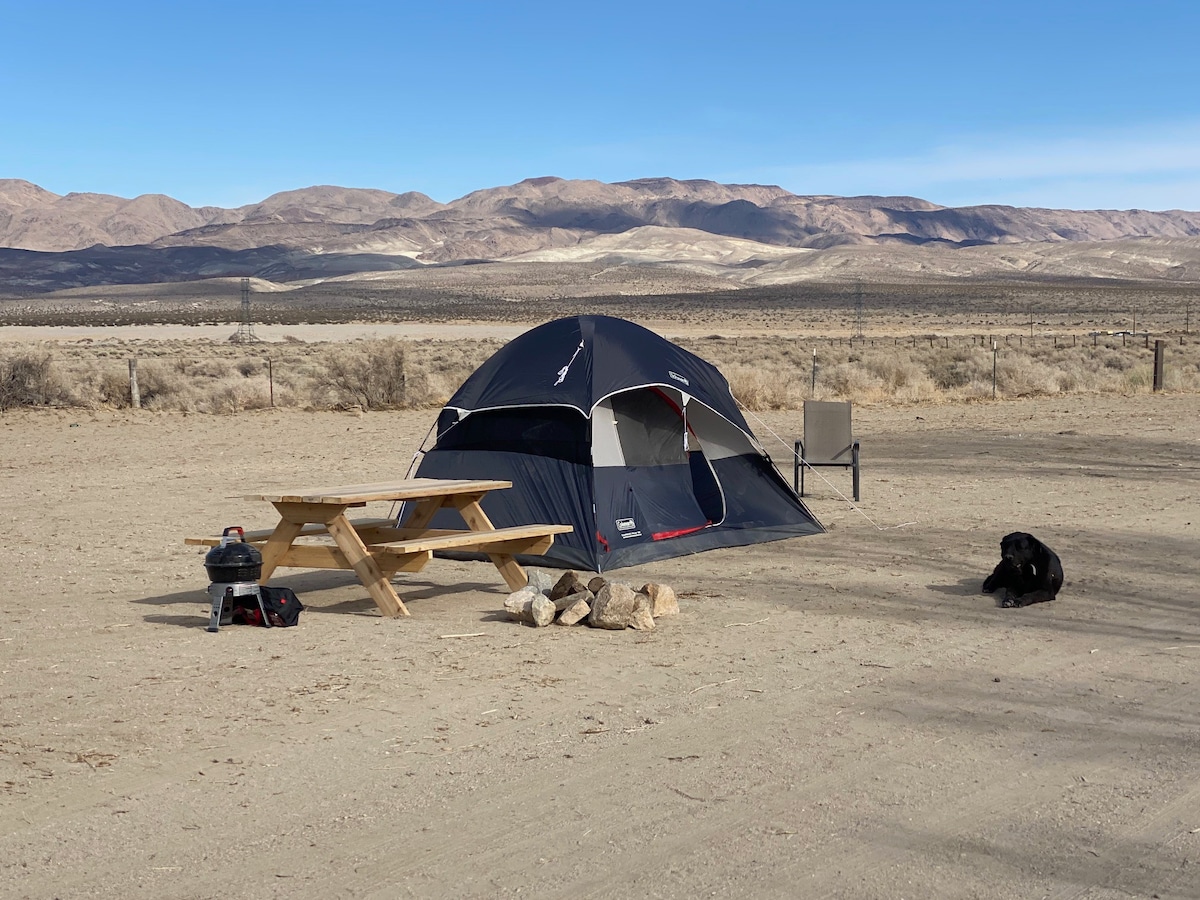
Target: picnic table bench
377	548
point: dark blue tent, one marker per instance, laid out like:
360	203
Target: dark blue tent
601	424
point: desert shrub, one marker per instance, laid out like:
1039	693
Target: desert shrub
976	389
916	390
159	385
29	378
1136	381
958	368
112	388
1079	371
162	388
370	375
759	390
436	369
1111	358
432	388
214	367
1020	376
765	371
851	381
234	397
902	376
249	366
1067	381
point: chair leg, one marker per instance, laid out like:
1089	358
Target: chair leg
854	458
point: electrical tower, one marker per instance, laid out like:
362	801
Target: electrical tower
245	333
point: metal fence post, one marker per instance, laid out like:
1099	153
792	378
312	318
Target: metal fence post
995	352
135	395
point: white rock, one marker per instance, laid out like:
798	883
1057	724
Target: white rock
662	599
576	612
613	607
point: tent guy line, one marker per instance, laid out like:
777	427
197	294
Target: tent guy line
792	452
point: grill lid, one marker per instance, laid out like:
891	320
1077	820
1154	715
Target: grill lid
233	560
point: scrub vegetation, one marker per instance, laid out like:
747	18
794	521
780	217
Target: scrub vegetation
765	372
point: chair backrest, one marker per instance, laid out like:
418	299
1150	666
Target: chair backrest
828	435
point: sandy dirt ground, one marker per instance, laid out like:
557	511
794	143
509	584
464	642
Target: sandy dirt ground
843	715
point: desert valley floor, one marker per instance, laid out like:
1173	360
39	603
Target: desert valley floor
843	715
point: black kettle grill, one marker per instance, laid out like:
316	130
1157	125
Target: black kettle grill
234	568
233	561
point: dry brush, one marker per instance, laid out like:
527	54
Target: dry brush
765	372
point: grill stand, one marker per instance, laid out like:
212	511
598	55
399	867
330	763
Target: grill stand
222	593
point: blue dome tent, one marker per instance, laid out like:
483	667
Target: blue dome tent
604	425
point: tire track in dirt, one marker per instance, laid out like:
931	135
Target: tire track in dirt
525	795
1162	827
1050	785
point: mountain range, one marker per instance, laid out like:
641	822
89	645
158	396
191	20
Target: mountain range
742	235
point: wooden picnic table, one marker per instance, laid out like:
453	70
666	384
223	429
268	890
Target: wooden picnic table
378	548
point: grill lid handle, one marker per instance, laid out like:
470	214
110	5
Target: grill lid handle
225	537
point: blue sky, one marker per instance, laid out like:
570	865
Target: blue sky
1058	104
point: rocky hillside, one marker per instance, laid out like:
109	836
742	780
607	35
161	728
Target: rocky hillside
738	233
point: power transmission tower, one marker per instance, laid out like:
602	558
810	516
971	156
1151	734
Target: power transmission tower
245	333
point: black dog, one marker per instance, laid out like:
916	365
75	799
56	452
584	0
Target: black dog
1029	571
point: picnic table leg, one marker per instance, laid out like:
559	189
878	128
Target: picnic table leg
423	512
277	545
477	520
514	576
364	564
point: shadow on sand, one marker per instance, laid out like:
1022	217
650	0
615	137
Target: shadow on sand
308	586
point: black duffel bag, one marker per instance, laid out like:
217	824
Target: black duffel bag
282	605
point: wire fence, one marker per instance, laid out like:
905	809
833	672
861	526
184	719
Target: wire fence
765	371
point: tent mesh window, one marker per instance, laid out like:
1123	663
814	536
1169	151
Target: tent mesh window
650	429
554	432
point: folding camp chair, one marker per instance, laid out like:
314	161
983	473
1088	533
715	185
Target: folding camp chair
828	441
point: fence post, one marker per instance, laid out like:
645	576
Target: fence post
1159	352
135	396
271	380
995	350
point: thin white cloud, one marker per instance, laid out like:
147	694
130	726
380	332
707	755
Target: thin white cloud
1154	167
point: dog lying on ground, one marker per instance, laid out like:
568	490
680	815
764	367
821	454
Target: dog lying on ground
1028	571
